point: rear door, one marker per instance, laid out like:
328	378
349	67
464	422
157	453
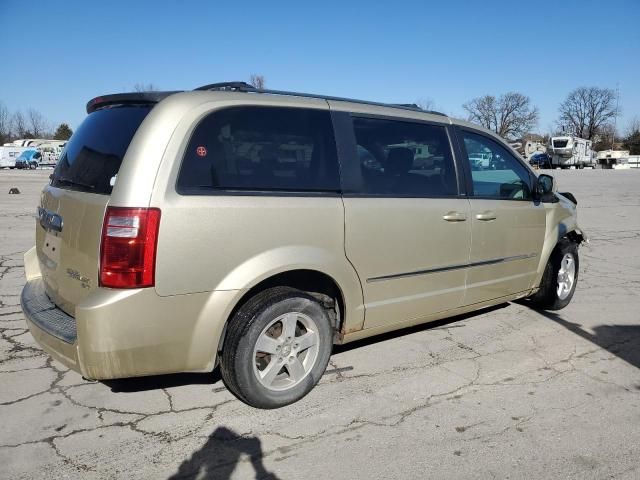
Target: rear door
407	229
72	207
507	226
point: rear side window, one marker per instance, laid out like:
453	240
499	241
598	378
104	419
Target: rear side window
261	149
399	158
92	157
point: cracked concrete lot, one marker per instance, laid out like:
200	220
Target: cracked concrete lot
503	393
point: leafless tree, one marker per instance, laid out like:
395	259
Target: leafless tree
141	87
510	115
37	123
587	109
426	103
5	124
257	81
632	138
633	126
605	137
19	124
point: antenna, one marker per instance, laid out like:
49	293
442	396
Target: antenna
615	118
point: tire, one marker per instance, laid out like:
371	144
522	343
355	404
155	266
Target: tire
272	378
557	288
33	166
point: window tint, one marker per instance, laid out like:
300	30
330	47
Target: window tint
261	149
404	159
496	173
94	153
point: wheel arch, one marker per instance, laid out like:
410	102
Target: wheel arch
314	282
564	230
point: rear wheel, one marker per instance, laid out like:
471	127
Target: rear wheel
277	347
559	279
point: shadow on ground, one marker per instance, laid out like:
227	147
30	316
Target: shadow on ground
155	382
622	341
218	457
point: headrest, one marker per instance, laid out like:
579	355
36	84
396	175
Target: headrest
399	160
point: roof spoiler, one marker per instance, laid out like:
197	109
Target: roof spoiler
134	98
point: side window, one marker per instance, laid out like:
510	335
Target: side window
404	158
261	149
495	172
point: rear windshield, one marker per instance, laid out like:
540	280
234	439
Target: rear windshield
92	157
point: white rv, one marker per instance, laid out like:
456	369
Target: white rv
531	148
613	158
9	154
49	149
569	151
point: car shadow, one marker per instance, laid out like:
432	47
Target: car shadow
218	457
435	325
155	382
623	341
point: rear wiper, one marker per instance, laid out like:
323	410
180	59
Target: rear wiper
68	181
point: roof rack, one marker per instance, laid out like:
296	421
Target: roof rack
247	88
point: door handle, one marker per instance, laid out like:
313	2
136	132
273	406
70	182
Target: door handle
454	216
486	216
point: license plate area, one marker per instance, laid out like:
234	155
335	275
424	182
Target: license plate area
51	248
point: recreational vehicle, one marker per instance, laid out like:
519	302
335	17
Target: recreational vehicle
531	148
568	151
9	154
613	158
50	149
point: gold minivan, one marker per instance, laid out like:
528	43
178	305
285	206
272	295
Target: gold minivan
255	229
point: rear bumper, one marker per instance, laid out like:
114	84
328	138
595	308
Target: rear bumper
53	329
128	333
42	312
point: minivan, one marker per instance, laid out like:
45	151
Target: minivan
255	229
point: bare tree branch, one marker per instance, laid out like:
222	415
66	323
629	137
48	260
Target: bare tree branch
257	81
633	126
19	124
5	124
511	115
37	123
141	87
586	110
426	104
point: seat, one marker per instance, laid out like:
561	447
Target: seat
397	165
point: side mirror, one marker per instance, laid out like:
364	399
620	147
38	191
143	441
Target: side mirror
545	188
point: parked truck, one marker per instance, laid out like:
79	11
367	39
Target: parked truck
569	151
613	158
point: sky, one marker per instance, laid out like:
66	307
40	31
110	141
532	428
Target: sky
57	55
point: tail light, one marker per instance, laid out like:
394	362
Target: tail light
128	247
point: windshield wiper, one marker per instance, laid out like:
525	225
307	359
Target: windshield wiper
74	183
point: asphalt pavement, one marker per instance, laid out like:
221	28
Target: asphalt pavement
507	392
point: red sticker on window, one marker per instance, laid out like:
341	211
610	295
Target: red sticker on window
201	151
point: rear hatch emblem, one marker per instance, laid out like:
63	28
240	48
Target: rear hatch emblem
49	220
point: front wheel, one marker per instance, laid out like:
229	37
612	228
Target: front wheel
277	347
559	279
